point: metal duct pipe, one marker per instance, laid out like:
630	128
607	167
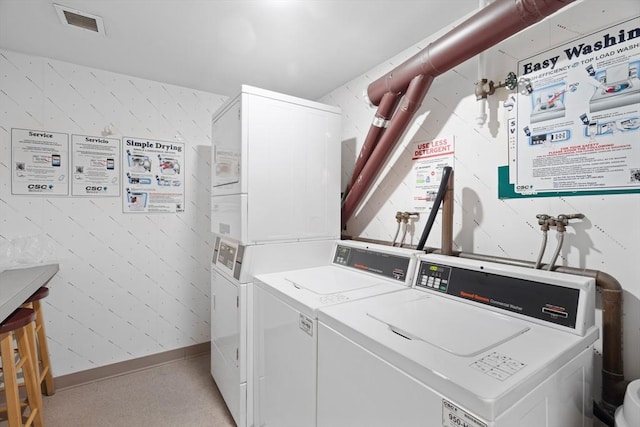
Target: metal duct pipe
411	102
613	382
387	106
492	24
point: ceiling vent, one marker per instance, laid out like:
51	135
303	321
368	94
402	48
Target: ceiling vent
78	19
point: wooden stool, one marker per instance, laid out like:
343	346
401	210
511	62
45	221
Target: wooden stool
20	324
41	350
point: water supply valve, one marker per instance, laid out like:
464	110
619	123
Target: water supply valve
511	82
563	220
486	87
403	218
543	221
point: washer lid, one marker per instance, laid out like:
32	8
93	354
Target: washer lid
460	329
328	281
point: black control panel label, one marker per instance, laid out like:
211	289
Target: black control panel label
387	265
539	300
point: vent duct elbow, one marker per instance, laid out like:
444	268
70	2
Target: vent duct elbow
489	26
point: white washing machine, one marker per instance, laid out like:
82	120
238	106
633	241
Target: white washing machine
472	344
286	304
232	270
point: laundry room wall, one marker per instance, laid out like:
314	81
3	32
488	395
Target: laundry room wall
130	284
607	239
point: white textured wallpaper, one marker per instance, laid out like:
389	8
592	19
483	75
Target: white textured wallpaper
132	284
608	239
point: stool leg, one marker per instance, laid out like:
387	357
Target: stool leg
14	414
43	352
24	337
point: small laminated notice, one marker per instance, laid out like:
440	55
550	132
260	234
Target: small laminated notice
306	325
454	416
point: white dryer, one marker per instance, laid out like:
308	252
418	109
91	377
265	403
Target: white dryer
473	344
275	168
285	329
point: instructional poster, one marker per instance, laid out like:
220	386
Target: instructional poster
430	158
153	176
577	129
96	166
39	162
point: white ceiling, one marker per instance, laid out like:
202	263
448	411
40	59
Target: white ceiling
304	48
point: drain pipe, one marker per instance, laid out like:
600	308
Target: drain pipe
492	24
613	382
387	106
411	102
481	119
441	197
447	218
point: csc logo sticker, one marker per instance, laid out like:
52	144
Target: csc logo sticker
95	189
40	186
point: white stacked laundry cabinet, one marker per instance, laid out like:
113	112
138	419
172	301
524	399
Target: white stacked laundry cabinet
275	205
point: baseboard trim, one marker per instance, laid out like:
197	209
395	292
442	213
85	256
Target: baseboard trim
103	372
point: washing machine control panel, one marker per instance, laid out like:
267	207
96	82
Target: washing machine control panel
534	293
434	276
392	266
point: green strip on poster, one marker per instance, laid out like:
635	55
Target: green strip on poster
506	190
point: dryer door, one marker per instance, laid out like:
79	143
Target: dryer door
225	340
225	318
